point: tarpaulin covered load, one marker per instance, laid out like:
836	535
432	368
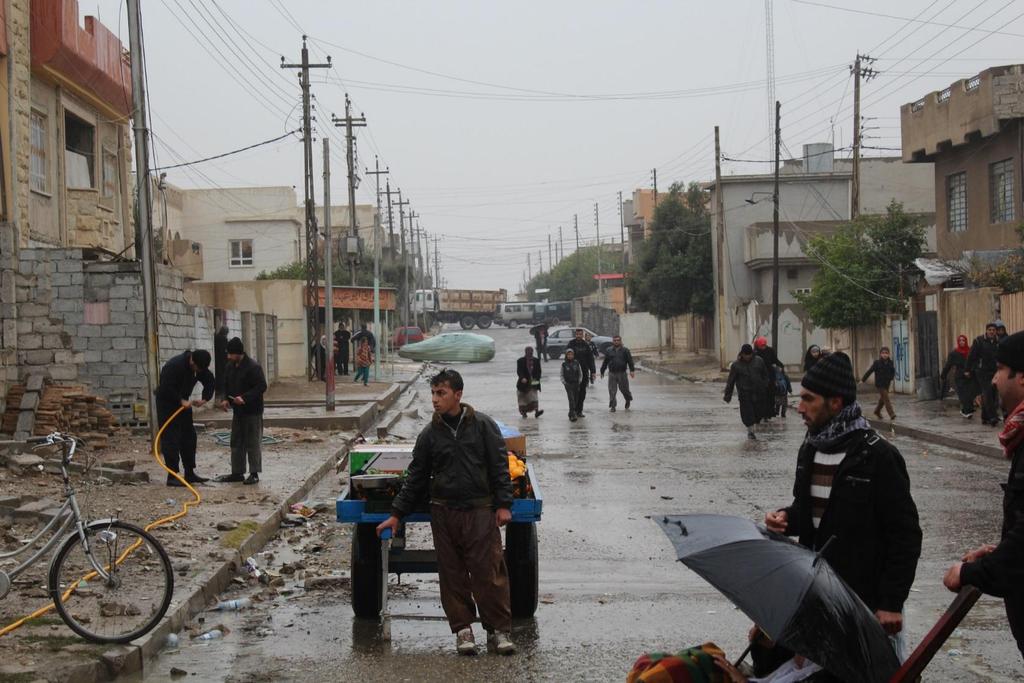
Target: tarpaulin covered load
451	347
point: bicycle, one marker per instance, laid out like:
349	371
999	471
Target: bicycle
110	581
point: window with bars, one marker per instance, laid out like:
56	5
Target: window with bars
956	201
241	253
38	165
1000	185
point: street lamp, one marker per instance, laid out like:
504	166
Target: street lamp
775	256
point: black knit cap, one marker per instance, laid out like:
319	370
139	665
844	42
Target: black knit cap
235	346
1011	351
832	376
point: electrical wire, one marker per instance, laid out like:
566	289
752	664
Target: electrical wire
231	153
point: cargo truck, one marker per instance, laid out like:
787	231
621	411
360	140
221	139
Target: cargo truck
468	307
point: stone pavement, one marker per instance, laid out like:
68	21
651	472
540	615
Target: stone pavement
936	422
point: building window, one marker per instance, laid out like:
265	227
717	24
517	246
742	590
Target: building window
109	174
956	201
39	168
1000	183
79	152
792	273
241	253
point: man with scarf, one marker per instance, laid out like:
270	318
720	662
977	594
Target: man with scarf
998	570
957	362
852	494
981	366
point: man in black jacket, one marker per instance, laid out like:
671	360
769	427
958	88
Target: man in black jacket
178	378
981	366
584	351
341	340
852	493
459	464
616	362
748	375
998	570
245	385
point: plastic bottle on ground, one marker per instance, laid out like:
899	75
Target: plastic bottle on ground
232	605
215	634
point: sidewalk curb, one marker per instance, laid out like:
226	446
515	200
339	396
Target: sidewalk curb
655	368
144	651
884	427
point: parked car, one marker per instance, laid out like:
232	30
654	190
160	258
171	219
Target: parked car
406	335
559	338
517	313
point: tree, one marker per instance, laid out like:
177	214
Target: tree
573	277
674	266
391	274
867	269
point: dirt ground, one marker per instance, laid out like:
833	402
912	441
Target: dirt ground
45	647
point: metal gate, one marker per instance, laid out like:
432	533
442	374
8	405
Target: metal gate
901	355
926	360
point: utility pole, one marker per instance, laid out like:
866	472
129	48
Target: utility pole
719	241
561	245
140	127
551	264
377	173
625	261
350	122
775	231
437	265
312	284
414	245
405	259
328	280
391	223
654	173
597	227
529	269
867	73
540	262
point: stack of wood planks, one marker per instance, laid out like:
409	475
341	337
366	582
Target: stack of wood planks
65	408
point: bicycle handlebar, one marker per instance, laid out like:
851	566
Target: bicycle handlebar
57	439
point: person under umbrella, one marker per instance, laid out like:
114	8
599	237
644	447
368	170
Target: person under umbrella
528	384
540	335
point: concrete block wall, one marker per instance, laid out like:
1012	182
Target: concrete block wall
113	336
50	286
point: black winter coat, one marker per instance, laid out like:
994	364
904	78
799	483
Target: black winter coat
1001	572
748	378
177	381
246	379
572	373
465	467
982	357
618	360
954	361
584	355
870	513
770	358
524	377
885	373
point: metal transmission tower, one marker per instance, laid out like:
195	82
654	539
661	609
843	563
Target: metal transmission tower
769	46
312	285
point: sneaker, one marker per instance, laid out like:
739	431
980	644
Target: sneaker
751	435
173	481
580	415
522	413
252	479
194	478
628	401
572	418
611	409
966	415
230	477
538	413
878	414
501	643
465	643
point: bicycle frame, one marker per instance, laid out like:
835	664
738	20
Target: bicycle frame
68	514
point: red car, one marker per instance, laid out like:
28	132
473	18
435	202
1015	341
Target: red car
406	335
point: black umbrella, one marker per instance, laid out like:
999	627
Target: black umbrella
788	590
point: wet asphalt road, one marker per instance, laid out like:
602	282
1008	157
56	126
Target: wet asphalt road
610	586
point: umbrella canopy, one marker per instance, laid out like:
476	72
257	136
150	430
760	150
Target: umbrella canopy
786	589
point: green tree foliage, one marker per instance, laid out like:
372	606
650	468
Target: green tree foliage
1006	274
574	275
867	269
674	267
391	274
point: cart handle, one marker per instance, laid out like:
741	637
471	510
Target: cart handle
385	535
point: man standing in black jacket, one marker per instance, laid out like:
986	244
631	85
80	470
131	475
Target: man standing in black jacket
245	384
998	570
616	362
584	351
981	366
852	493
178	378
459	464
341	339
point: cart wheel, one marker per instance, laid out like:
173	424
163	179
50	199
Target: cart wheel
366	572
521	557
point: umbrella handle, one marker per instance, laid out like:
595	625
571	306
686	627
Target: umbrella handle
743	656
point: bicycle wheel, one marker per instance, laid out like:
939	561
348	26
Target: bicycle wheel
131	601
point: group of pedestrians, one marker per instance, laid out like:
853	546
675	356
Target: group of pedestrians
239	387
364	346
974	368
759	379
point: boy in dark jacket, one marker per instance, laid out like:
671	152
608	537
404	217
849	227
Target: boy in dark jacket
749	376
885	373
460	465
584	351
999	569
572	378
852	489
245	385
178	378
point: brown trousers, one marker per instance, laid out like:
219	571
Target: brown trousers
471	565
884	402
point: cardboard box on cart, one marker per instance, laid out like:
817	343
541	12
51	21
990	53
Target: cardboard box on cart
379	459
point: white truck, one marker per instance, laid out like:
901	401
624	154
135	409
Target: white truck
468	307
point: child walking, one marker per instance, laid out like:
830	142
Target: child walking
783	388
884	372
364	359
572	377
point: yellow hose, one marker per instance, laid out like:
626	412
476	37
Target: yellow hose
185	508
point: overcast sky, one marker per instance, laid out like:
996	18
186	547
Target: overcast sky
499	121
